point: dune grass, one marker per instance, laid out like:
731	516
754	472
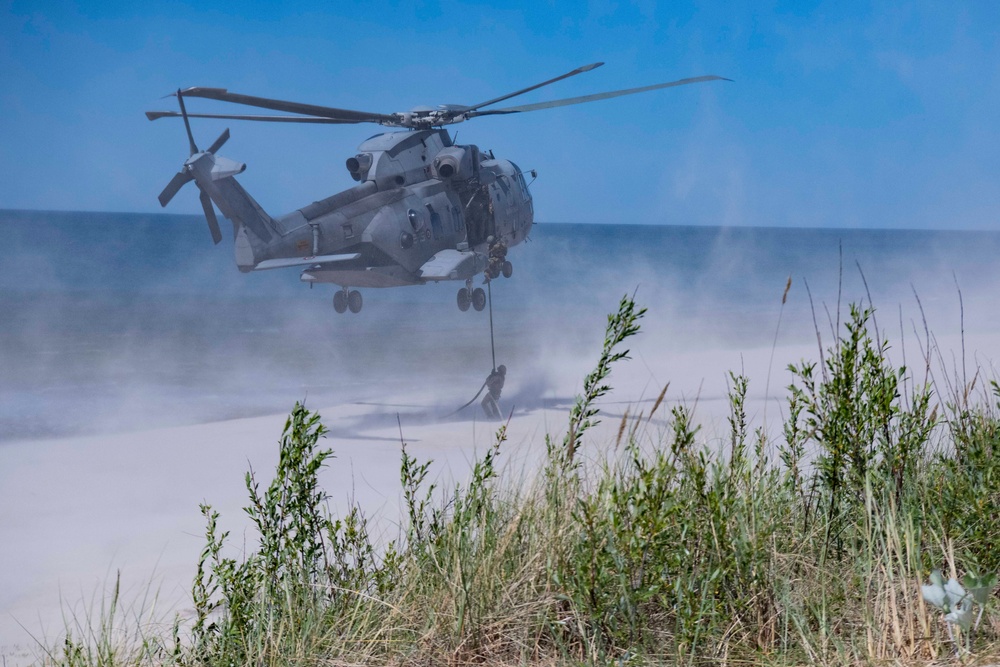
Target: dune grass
660	549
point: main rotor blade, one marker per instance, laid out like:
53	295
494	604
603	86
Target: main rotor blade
175	184
594	98
213	222
156	115
187	125
347	115
578	70
223	138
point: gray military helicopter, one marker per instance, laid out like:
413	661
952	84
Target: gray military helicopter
425	209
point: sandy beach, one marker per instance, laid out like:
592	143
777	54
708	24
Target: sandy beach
77	511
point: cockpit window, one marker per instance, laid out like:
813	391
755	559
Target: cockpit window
415	220
520	178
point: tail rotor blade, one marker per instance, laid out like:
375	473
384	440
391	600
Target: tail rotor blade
223	138
213	222
175	184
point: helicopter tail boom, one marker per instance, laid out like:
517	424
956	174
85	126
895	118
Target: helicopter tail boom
235	202
213	175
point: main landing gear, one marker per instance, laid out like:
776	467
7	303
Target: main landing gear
471	297
345	298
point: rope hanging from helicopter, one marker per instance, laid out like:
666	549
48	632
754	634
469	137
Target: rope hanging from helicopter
489	300
493	352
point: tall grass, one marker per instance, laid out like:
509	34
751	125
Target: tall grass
665	550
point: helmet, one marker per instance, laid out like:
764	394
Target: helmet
502	369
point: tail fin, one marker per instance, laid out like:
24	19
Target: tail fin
214	177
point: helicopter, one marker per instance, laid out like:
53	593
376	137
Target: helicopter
425	209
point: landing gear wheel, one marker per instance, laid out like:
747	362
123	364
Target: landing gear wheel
507	269
464	299
340	301
354	301
479	298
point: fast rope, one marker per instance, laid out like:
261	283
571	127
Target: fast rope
471	401
493	351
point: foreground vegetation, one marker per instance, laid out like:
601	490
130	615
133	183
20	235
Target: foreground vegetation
665	549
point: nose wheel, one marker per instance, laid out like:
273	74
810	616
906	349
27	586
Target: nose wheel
347	299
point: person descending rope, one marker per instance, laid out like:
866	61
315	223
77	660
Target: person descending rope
494	386
495	380
497	259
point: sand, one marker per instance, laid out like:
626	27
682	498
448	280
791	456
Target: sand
76	512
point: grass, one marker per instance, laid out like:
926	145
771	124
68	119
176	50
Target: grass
663	551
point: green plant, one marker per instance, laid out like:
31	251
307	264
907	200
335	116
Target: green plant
855	412
622	324
305	564
964	481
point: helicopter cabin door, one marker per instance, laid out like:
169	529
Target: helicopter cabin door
480	222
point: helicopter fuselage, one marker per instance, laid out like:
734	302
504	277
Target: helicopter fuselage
424	210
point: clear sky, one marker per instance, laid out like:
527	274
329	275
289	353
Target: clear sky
841	113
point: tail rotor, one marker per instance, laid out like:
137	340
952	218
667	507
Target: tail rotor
182	177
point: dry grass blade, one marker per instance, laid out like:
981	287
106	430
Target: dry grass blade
659	400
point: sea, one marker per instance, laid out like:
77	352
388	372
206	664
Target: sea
119	321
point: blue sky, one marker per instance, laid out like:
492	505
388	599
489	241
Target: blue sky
841	114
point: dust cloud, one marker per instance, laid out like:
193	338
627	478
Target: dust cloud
121	322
